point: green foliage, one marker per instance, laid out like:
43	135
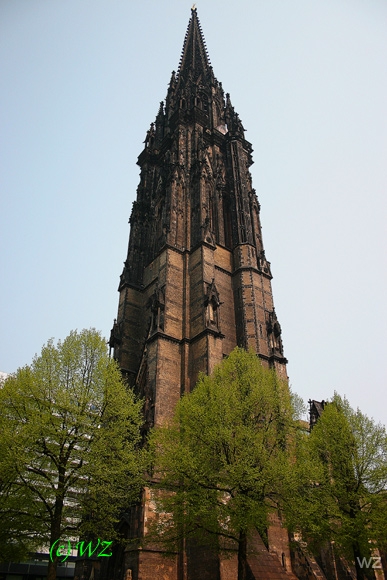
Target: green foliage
340	484
69	446
226	455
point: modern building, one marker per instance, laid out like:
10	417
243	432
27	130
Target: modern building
35	568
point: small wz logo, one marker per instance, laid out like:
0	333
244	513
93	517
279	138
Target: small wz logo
101	546
364	563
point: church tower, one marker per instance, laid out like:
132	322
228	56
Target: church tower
196	282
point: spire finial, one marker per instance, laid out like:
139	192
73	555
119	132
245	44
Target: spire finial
194	56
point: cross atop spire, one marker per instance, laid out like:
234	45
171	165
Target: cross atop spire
194	57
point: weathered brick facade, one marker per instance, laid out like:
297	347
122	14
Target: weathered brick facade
196	281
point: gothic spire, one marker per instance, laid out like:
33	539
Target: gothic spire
194	57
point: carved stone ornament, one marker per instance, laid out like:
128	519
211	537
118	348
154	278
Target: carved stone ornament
212	303
208	234
156	303
274	331
264	265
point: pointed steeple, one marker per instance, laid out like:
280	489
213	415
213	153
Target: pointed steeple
194	90
194	57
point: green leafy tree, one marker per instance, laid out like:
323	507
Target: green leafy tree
340	485
69	447
225	456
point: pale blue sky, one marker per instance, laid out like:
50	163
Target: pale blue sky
81	80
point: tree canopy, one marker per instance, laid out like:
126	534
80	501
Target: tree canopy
340	484
69	447
225	455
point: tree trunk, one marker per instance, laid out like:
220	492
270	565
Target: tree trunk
363	572
242	556
55	543
52	566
